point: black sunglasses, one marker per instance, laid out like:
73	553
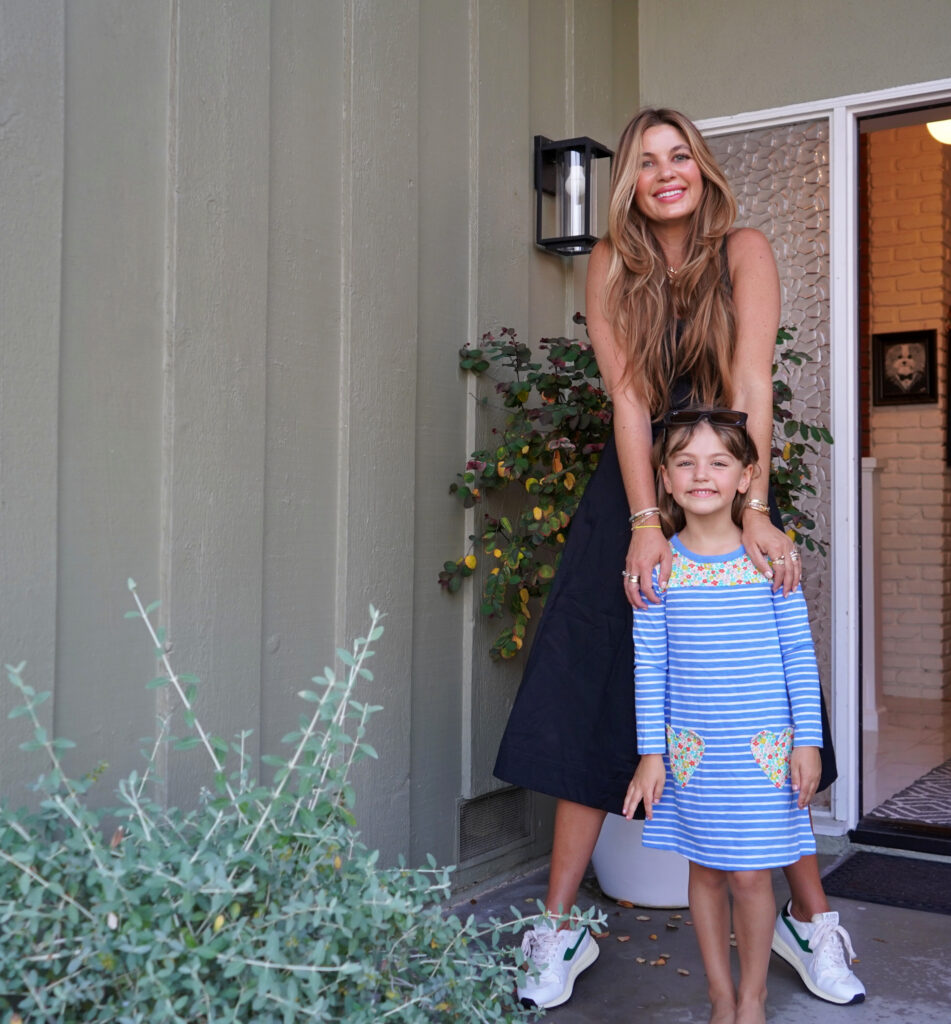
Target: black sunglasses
718	417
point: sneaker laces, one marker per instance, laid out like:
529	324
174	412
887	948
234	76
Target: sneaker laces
539	945
830	943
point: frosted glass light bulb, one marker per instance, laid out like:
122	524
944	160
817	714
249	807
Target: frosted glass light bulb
574	191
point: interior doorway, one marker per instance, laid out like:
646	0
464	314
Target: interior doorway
904	292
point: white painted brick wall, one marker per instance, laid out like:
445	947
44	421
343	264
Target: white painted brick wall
910	289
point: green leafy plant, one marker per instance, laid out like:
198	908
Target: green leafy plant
557	420
793	458
261	904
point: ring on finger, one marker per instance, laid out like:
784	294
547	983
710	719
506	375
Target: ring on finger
778	561
794	556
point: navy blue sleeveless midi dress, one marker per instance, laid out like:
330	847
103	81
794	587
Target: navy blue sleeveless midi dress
571	732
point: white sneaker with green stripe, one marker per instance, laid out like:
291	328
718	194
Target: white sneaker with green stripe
821	952
558	957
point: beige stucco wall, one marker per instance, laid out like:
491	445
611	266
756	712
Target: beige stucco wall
715	59
242	243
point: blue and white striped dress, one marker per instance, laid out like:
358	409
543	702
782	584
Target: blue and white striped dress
726	684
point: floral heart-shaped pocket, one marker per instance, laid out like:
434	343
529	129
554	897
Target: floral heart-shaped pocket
685	750
771	751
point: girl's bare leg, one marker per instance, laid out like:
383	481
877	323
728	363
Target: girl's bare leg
710	909
576	834
754	909
805	887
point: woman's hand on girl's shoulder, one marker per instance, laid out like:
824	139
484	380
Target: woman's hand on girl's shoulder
649	549
772	552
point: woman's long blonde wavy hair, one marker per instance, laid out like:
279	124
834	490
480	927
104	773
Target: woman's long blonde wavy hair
643	304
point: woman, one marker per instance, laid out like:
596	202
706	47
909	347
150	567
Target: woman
681	307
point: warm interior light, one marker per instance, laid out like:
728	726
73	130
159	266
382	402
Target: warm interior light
940	130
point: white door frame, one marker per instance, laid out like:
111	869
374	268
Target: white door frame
843	113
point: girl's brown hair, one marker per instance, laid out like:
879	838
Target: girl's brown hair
736	440
644	305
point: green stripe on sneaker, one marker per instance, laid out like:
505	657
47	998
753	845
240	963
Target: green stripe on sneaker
787	921
571	950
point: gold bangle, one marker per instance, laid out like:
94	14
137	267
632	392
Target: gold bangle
647	526
758	506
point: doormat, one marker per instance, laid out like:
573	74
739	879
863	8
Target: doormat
894	881
926	800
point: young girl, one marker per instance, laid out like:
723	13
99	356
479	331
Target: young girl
727	706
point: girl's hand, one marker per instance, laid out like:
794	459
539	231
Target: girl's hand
647	785
771	551
805	767
649	547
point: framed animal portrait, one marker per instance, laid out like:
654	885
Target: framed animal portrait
904	367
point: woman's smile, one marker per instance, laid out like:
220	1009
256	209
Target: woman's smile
669	185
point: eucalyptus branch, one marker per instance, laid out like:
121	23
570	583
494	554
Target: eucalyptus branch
160	737
182	695
55	890
201	912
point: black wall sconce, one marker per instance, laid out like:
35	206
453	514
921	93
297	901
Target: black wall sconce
566	193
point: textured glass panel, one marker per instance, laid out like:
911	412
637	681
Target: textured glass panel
781	180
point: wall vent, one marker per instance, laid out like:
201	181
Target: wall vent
490	824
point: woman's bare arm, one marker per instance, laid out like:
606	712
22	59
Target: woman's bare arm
756	297
632	434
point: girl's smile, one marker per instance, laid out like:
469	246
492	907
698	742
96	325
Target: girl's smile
703	477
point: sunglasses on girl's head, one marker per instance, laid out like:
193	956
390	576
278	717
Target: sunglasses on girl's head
718	417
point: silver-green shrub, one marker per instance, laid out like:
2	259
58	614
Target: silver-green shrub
259	905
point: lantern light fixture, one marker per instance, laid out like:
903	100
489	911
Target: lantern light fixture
940	130
566	193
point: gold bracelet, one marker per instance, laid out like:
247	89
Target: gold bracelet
647	526
758	506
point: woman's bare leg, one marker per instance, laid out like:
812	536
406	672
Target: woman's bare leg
576	833
805	887
754	909
710	909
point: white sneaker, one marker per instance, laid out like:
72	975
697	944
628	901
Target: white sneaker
821	952
558	957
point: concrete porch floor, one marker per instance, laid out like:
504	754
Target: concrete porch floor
904	960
